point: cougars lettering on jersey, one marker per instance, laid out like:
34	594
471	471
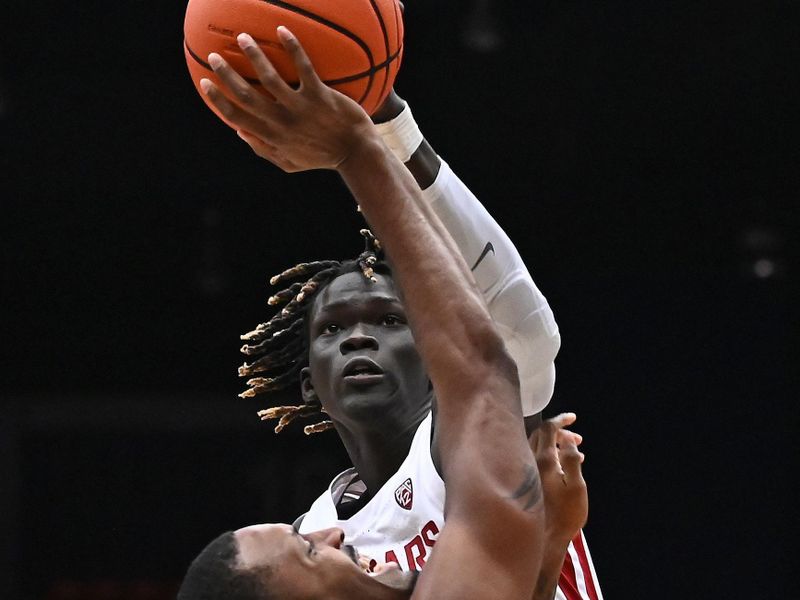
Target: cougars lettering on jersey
416	550
402	521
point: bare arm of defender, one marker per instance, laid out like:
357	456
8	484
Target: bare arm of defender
492	544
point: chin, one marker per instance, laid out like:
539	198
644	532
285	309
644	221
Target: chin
366	404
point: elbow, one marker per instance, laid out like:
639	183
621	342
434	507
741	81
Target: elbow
494	355
550	347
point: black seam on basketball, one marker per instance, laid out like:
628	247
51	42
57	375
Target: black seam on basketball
385	44
371	72
329	82
335	27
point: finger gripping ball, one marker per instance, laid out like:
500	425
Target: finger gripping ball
355	45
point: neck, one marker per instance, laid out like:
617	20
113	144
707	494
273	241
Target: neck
374	590
377	453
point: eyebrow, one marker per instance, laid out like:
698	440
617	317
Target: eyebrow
372	300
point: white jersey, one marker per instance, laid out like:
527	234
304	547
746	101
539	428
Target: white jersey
402	521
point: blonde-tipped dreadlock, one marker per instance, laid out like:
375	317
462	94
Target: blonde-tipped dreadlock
281	344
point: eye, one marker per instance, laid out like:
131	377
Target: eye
392	320
329	328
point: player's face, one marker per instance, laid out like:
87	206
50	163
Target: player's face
314	565
363	363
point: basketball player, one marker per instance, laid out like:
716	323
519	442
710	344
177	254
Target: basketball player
492	544
403	528
528	328
417	552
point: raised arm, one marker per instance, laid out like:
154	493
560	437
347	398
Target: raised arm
492	544
520	311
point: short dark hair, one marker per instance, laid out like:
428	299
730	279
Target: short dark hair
282	342
215	575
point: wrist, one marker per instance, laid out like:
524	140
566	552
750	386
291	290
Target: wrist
365	151
401	134
350	136
557	541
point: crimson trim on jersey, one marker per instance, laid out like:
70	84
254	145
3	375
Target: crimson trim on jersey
587	570
567	581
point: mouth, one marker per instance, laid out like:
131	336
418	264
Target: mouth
362	371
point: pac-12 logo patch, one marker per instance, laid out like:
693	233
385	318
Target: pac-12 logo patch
404	494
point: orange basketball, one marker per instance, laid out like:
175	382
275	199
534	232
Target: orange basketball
355	45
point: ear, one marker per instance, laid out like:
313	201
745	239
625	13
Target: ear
307	387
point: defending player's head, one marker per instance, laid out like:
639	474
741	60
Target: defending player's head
273	561
217	574
343	334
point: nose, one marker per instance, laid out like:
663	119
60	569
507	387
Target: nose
358	340
333	537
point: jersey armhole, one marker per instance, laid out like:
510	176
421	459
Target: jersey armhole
299	521
434	445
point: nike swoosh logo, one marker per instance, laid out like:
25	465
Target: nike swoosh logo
486	249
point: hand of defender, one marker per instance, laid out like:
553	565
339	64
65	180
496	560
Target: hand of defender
559	461
312	127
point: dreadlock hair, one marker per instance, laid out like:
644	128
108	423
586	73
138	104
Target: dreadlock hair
281	344
216	575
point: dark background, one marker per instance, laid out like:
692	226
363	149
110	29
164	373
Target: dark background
640	154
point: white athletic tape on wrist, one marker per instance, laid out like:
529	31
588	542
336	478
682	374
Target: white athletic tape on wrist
401	134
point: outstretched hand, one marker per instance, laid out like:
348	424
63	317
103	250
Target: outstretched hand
311	127
559	461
